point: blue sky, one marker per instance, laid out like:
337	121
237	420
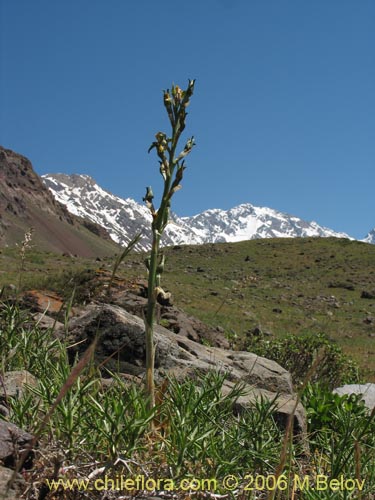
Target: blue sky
283	112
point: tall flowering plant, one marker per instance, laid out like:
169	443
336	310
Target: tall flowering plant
172	166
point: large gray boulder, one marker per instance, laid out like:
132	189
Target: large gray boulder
121	347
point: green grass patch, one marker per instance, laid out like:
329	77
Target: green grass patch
282	286
197	434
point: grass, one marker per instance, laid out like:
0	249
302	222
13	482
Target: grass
99	428
41	269
283	286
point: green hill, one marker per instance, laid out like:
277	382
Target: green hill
279	286
321	285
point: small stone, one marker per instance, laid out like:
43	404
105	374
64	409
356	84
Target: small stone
15	382
4	411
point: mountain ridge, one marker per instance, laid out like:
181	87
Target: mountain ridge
370	238
123	218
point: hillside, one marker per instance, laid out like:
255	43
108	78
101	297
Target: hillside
26	203
275	286
280	286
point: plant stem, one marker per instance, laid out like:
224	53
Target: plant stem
175	104
150	317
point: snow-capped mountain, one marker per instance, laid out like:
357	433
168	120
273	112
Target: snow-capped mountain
123	218
246	222
370	238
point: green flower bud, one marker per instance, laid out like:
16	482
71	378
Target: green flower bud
149	195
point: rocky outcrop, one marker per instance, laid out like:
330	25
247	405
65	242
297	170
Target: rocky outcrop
39	301
16	445
121	347
26	203
174	319
19	182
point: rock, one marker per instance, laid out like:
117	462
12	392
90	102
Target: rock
286	406
45	322
17	485
15	382
214	337
42	301
135	304
4	412
178	321
366	390
193	329
13	441
121	345
257	331
341	284
368	295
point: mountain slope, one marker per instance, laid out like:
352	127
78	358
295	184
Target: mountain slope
26	203
276	286
124	218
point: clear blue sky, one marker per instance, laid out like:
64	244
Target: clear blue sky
283	113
